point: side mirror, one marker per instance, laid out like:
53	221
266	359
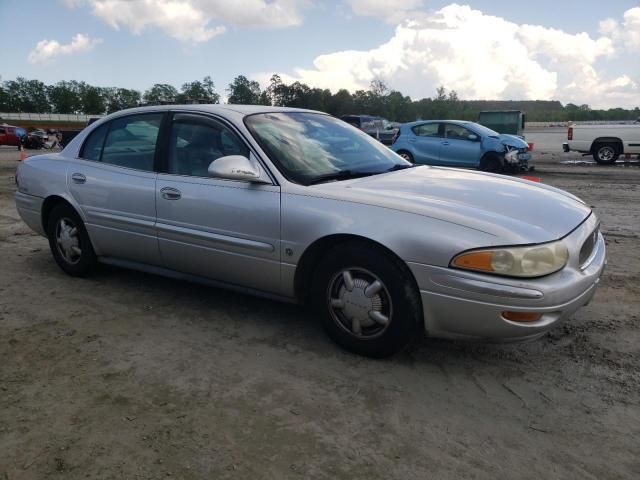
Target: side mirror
236	167
473	137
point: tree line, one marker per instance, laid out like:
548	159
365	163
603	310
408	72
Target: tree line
34	96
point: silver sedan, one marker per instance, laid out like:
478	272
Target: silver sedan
299	206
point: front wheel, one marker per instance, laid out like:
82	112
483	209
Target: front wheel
407	156
492	163
605	153
69	241
366	300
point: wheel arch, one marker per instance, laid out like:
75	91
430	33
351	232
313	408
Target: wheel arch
616	141
49	204
488	155
316	250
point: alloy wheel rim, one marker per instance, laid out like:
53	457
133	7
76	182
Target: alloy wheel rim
359	303
68	241
606	153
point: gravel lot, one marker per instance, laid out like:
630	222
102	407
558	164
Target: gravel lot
127	375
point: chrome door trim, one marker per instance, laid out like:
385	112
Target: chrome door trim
215	237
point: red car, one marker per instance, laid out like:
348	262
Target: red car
10	135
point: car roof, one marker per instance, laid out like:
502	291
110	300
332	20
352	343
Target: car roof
422	122
242	110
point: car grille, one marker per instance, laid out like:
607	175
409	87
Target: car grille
588	246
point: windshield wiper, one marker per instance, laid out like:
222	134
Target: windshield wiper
400	166
339	175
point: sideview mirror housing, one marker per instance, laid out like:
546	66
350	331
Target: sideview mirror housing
473	137
236	167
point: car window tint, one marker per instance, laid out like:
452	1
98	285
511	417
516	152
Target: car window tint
131	141
457	132
426	130
93	144
193	146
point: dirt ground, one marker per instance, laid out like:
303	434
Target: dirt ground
127	375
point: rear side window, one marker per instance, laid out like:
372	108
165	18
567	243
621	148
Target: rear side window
426	130
131	141
92	148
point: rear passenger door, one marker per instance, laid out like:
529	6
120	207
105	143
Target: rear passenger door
114	183
427	143
226	230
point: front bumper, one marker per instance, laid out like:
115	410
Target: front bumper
461	304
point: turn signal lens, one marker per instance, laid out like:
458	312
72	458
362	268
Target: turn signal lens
534	261
522	316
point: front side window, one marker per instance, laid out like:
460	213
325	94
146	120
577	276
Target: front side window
427	130
310	147
457	132
194	145
131	141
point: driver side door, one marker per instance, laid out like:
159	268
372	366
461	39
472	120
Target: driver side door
458	150
224	230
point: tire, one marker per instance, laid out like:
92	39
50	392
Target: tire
605	153
69	242
407	156
375	323
492	164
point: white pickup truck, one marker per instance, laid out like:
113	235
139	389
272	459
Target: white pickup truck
605	142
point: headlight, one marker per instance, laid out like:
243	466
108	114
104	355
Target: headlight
533	261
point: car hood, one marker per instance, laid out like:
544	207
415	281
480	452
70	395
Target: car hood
512	141
514	211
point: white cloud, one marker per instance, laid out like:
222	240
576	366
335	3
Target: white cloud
481	57
390	10
192	20
626	33
46	50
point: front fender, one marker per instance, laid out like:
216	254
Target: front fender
412	237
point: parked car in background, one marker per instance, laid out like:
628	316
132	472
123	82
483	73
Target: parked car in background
606	142
378	127
298	205
509	122
39	132
456	143
12	135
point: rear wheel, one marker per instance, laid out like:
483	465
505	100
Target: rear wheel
605	153
69	241
407	156
366	300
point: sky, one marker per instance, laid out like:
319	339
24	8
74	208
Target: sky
582	52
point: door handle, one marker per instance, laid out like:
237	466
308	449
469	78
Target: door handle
412	140
445	143
78	178
169	193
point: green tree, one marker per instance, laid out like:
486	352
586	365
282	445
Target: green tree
65	97
27	96
161	92
120	98
197	91
92	98
244	91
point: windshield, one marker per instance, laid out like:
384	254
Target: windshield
484	131
311	147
